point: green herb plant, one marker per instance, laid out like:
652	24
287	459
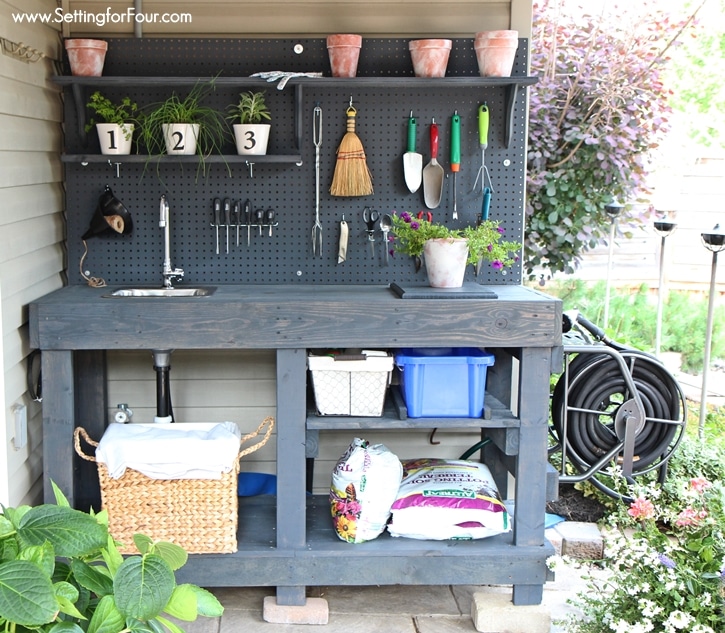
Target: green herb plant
250	109
61	572
190	109
484	240
121	113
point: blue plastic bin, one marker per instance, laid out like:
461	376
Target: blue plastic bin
443	382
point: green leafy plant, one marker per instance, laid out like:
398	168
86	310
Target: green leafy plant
121	113
599	109
189	109
484	240
61	572
251	108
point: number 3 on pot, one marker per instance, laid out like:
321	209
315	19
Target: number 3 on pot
251	142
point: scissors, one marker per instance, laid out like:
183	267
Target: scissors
370	218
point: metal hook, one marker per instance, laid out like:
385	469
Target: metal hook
118	167
351	101
250	166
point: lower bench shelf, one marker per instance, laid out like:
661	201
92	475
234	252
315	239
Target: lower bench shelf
326	560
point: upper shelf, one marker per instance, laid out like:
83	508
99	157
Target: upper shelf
327	82
510	84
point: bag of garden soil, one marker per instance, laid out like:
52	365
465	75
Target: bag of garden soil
364	485
443	499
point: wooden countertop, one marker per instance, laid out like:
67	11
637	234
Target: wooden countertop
291	316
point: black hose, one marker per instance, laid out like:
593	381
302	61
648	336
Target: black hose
596	383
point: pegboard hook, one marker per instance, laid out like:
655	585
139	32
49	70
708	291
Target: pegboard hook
117	166
250	166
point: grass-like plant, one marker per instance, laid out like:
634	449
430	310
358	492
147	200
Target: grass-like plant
189	109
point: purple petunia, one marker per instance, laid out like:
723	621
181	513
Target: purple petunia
497	264
666	561
405	216
414	225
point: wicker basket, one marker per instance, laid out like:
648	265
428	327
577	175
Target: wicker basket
200	515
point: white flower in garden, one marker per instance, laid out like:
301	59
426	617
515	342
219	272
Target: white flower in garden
679	620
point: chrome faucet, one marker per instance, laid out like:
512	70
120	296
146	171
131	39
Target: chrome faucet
164	222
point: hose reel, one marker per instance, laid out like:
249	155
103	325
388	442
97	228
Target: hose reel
614	405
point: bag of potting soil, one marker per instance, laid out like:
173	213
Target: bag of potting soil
364	485
447	499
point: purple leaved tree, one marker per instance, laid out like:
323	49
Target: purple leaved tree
598	111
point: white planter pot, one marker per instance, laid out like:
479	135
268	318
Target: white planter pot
180	138
445	262
115	138
252	138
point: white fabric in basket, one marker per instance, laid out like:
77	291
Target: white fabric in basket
170	451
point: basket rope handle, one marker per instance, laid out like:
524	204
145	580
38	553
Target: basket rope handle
79	430
269	423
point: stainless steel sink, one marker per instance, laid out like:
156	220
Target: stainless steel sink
162	292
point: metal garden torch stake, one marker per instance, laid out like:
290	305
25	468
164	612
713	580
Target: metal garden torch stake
613	210
664	228
714	241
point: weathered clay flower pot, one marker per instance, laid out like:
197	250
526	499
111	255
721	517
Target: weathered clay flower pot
430	57
344	52
496	52
86	57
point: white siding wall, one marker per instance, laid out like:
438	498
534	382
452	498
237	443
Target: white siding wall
303	18
31	229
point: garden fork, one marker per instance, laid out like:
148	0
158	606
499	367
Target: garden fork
317	140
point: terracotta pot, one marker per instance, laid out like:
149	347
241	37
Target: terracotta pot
430	57
86	57
344	52
445	262
508	34
495	57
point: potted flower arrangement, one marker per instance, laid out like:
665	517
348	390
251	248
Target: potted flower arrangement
184	125
116	125
250	133
62	571
471	245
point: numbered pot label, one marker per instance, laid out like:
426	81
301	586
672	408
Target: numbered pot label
180	138
115	138
251	139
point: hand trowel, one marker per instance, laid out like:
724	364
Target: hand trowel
412	161
433	173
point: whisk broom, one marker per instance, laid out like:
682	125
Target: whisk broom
352	176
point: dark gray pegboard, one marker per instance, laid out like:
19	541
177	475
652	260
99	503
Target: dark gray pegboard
289	189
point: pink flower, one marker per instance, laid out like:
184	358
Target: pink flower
700	484
641	508
690	517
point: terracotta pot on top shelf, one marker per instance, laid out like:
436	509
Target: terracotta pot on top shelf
496	52
344	52
86	56
430	57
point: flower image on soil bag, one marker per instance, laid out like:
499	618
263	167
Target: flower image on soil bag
364	485
443	499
